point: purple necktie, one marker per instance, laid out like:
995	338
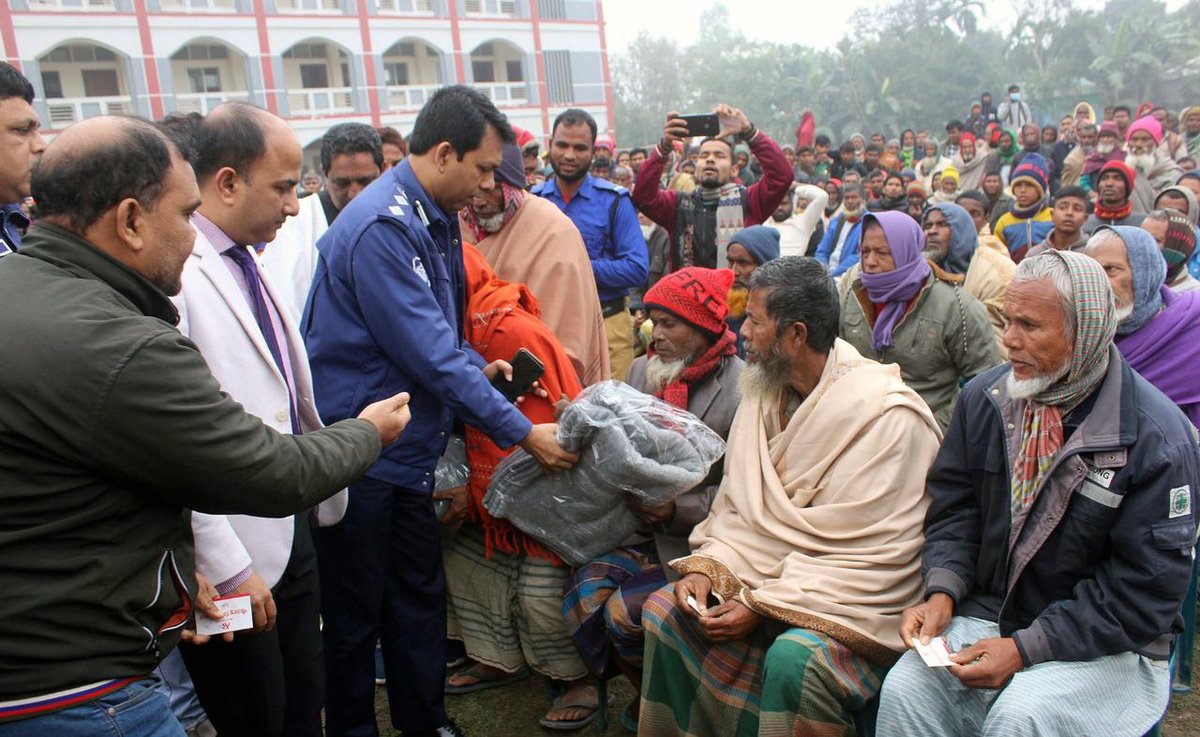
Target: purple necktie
262	316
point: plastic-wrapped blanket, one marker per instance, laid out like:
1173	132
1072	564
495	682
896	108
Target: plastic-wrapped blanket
629	443
452	469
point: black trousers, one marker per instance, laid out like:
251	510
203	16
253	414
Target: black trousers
269	684
382	578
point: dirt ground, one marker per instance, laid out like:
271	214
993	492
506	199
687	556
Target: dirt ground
514	710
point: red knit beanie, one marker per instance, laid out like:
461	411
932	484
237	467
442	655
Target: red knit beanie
1127	173
694	295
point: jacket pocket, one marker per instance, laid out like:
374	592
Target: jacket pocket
1179	535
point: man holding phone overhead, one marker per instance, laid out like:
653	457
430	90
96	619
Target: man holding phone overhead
700	224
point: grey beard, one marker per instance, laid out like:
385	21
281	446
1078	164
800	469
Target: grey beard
659	373
492	224
937	256
1121	312
1026	388
1142	163
1106	148
766	379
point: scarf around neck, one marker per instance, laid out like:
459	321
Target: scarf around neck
676	393
513	197
897	287
1114	213
1041	423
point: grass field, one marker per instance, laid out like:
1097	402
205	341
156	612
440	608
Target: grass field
514	710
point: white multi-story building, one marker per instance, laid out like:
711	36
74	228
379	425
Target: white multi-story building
313	62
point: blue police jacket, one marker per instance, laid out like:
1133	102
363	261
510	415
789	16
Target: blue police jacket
384	315
614	240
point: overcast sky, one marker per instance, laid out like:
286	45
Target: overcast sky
815	23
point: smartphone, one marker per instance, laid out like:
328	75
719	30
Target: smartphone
526	370
702	124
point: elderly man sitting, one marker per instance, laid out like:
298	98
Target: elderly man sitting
691	364
1058	541
1158	331
786	617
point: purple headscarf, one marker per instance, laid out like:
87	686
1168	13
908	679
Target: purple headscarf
895	288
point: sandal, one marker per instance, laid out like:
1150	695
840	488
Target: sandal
589	702
482	679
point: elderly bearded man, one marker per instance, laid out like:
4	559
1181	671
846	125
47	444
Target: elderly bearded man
812	545
1155	170
690	364
1059	536
527	240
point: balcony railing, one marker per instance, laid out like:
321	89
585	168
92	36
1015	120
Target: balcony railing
510	94
64	111
203	102
410	97
326	101
199	6
407	7
73	5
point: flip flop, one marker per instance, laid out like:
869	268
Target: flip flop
573	724
482	684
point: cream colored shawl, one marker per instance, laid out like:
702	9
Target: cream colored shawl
541	248
819	524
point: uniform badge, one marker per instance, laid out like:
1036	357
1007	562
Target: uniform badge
419	267
1181	502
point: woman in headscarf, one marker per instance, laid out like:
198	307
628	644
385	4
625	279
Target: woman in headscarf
932	163
908	148
898	311
1158	331
860	146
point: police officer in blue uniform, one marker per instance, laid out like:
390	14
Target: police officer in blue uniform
386	311
608	222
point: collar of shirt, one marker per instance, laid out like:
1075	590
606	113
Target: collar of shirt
407	179
585	189
213	233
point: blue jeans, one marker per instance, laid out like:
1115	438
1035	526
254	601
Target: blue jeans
138	710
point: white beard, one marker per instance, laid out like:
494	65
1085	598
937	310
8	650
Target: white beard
647	230
1026	388
1121	312
1106	148
492	224
765	379
659	373
1141	163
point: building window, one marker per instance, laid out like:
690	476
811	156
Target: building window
397	73
552	9
559	86
52	84
514	71
80	53
201	52
314	76
207	79
483	71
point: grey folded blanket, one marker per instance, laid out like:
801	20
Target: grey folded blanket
630	443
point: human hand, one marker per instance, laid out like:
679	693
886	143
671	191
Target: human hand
204	604
675	129
659	515
698	587
262	602
988	663
732	620
733	121
498	367
389	416
926	621
459	500
542	444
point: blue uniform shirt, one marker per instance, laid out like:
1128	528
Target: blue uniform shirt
614	240
385	315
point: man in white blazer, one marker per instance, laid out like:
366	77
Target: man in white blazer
351	158
267	682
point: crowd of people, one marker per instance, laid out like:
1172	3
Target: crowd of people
953	378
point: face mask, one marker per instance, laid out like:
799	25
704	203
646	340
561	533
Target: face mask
1015	97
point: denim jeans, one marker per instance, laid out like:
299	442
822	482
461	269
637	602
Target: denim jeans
138	710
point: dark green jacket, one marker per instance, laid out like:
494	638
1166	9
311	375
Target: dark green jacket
111	430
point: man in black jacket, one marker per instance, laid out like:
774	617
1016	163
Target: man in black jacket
111	429
1059	535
